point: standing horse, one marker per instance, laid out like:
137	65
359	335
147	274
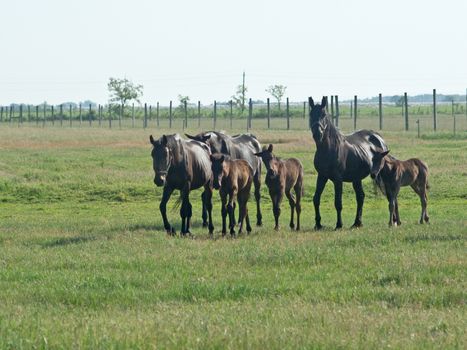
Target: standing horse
182	165
233	179
340	158
396	173
243	146
282	176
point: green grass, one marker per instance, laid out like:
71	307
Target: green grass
84	262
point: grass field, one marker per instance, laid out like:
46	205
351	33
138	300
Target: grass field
84	261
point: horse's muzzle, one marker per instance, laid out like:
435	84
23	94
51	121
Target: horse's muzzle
159	181
217	185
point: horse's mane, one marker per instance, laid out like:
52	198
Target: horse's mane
334	135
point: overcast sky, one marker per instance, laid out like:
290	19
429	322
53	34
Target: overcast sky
64	50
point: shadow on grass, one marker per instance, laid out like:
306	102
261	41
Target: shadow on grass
64	241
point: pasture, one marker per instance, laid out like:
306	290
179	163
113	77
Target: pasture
85	262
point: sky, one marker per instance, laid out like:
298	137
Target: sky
66	50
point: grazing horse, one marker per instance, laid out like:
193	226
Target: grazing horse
233	178
340	158
182	165
242	146
396	173
282	176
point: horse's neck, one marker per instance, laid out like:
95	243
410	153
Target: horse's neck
178	154
331	139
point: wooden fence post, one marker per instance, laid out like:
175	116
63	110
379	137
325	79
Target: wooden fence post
337	110
1	114
20	121
45	111
145	121
288	113
434	109
406	111
250	112
269	113
215	115
351	109
157	114
231	112
29	113
37	115
61	115
186	113
53	116
304	110
100	115
453	116
133	115
150	113
380	102
71	116
199	114
80	115
332	109
170	115
110	116
121	115
355	113
11	113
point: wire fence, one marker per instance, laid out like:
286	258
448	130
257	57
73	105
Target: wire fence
347	115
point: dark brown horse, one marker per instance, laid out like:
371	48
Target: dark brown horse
282	176
243	146
233	179
182	165
340	158
396	173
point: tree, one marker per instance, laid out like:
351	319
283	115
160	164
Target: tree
124	90
182	100
240	96
277	91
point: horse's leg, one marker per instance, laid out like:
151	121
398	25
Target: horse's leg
204	211
422	194
360	196
163	209
208	203
392	206
224	211
292	208
298	201
257	184
241	211
230	209
320	184
276	207
185	210
425	203
338	202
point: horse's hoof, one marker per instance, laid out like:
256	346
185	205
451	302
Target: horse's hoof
338	227
356	225
205	224
318	227
292	226
277	228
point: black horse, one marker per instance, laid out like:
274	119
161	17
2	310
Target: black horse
340	158
243	146
182	165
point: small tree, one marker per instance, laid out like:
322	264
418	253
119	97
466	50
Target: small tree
240	97
124	90
277	91
182	100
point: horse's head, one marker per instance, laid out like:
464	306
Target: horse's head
269	161
219	169
161	159
377	162
318	120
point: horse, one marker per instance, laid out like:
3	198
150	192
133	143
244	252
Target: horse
282	176
233	179
340	158
396	173
182	165
242	146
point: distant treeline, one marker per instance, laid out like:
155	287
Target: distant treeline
424	98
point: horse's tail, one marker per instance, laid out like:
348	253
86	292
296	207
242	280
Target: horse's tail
177	204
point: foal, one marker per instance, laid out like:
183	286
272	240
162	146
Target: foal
283	175
233	179
396	173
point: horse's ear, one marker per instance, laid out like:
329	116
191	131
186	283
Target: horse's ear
206	137
190	137
222	158
311	102
164	140
270	148
151	139
385	153
211	157
258	154
324	102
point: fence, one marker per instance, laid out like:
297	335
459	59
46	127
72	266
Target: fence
347	115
